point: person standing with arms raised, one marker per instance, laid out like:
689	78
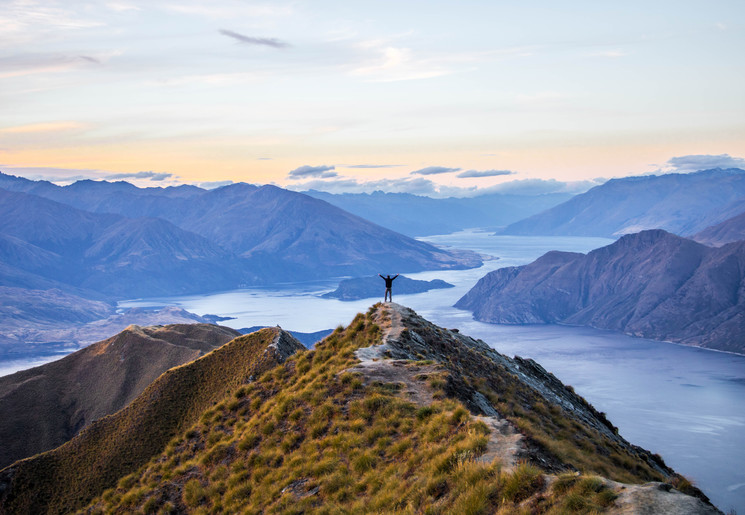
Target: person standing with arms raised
388	285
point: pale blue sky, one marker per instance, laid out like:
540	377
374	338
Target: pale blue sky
248	91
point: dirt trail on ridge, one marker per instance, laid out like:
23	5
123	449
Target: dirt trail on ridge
376	365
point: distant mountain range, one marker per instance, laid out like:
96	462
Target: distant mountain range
416	215
651	284
45	406
124	241
732	229
683	204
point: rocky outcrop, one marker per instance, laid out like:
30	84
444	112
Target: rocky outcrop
652	284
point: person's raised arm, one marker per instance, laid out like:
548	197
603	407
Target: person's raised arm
394	276
381	276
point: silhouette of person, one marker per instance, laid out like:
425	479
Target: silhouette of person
388	285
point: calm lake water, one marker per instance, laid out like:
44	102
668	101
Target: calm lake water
684	403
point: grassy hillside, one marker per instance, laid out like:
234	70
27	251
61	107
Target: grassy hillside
68	477
314	434
45	406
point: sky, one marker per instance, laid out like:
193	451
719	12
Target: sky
428	97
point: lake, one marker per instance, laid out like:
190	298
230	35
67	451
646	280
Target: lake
681	402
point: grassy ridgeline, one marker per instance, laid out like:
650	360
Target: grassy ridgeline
309	436
70	476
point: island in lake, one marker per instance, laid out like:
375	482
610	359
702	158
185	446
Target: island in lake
368	287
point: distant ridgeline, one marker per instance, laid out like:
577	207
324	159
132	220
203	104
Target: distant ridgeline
67	254
45	406
370	287
651	284
122	241
389	410
683	204
417	215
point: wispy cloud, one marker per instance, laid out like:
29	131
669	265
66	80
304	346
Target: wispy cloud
305	171
468	174
426	187
89	59
53	174
370	166
211	185
250	40
150	175
122	7
434	170
696	162
230	9
42	127
394	64
532	187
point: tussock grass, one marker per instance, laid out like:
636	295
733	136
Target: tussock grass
311	437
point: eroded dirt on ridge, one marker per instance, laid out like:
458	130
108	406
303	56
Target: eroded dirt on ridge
506	444
377	366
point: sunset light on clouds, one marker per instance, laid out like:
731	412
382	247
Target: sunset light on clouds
345	96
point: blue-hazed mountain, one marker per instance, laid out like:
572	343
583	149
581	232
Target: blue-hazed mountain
43	240
416	215
276	235
651	284
732	229
680	203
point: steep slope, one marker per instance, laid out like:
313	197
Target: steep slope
390	414
289	236
24	310
49	225
150	256
107	253
680	203
415	215
68	477
651	284
731	230
45	406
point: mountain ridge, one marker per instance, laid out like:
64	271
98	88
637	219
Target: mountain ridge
651	284
49	404
257	234
728	231
112	446
385	412
680	203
